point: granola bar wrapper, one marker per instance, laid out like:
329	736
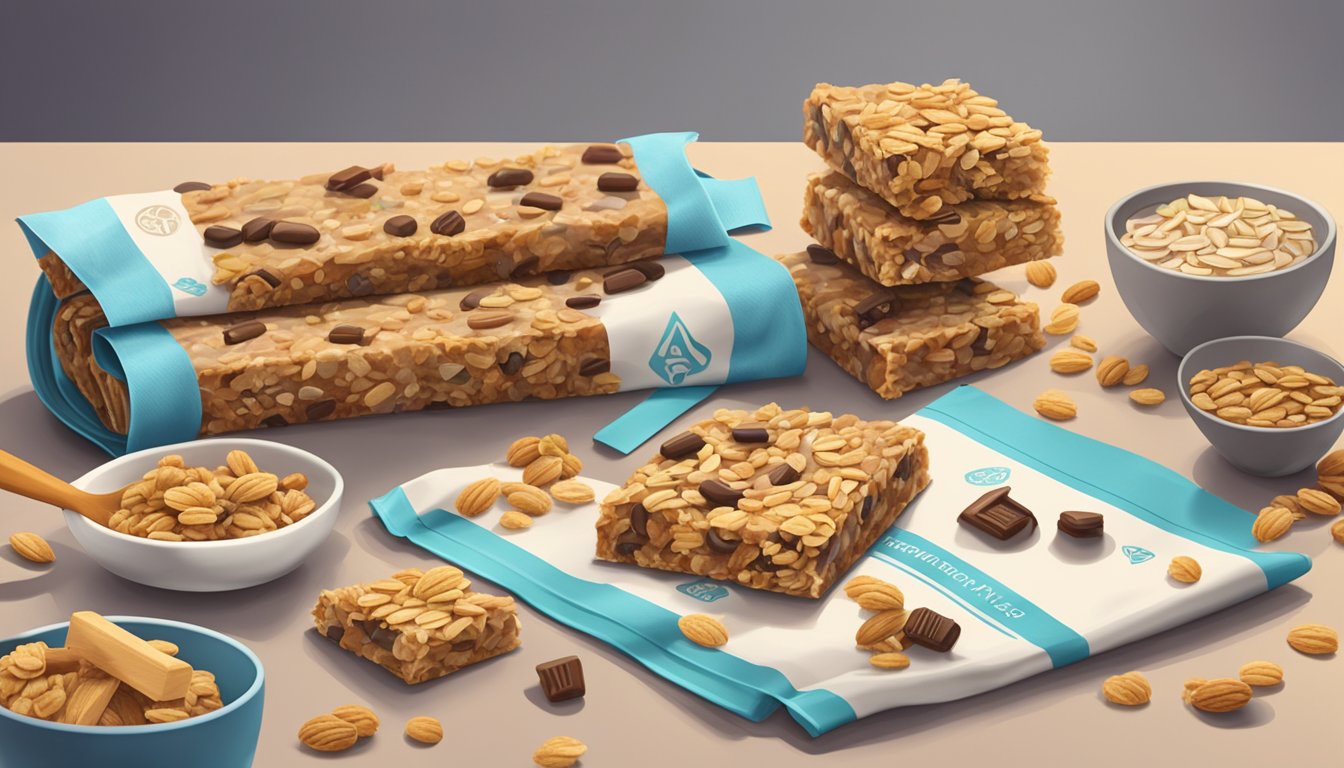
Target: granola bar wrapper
1040	600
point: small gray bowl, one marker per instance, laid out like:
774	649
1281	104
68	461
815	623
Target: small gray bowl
1182	311
1263	451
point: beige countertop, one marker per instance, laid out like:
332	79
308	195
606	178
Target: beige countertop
494	715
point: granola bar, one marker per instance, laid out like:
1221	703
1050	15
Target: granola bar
922	148
898	339
784	501
976	237
419	625
367	231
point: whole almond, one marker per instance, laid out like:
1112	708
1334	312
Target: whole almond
1184	569
31	547
1261	673
515	520
573	465
426	730
553	445
523	451
328	733
529	499
1041	273
1080	292
1070	361
1289	503
890	660
543	471
363	718
1148	396
1223	694
1137	375
240	463
703	630
1063	320
253	486
572	492
1337	531
1111	370
1190	686
476	498
1128	690
1054	404
1331	465
1318	502
1314	639
880	626
1272	523
874	594
559	752
1085	343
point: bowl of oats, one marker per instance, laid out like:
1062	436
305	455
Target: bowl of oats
1200	260
210	515
1270	406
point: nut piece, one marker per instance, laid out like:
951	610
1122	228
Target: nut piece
1290	503
1111	370
515	520
528	499
880	627
1054	404
1041	273
1063	320
1085	343
1337	530
1272	523
1080	292
1190	686
327	733
1128	690
572	492
1148	396
476	498
703	630
1184	569
1223	694
874	594
559	752
32	547
523	451
1332	464
1318	502
1261	673
1315	639
426	730
543	471
1268	395
1070	361
891	660
1137	374
363	718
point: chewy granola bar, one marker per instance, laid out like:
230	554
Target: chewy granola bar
419	625
779	500
973	238
898	339
922	148
366	231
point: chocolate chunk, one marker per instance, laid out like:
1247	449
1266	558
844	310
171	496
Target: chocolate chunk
400	226
558	277
945	216
681	446
820	255
583	302
222	237
602	154
893	163
512	364
448	224
463	645
997	515
628	542
783	474
719	493
561	679
718	543
931	630
966	285
257	229
359	285
595	366
528	266
904	467
617	182
981	344
241	332
294	233
639	521
320	410
651	269
364	191
343	180
913	256
346	334
274	420
751	434
334	633
624	280
377	172
1082	525
503	264
473	300
270	277
543	200
867	506
509	177
383	637
191	186
877	305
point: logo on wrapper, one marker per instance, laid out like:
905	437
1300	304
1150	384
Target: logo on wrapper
988	476
189	285
159	220
704	591
1137	555
678	354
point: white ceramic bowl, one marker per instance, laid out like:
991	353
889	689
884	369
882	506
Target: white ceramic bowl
210	566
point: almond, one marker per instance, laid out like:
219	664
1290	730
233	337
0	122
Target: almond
327	733
1318	502
543	471
1184	569
523	451
426	730
529	499
1128	690
891	660
874	594
1223	694
515	520
1111	370
559	752
1070	361
1314	639
703	630
881	626
1137	375
1063	320
1085	343
1337	531
363	718
572	492
478	497
1080	292
1054	404
32	547
1261	673
1148	396
1041	273
1272	523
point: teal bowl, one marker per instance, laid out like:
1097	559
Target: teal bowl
225	738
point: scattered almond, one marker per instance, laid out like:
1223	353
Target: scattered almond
1272	523
1337	530
1085	343
1137	375
1289	503
881	626
528	499
891	660
426	730
1111	370
523	451
363	718
1080	292
1222	694
478	497
328	733
543	471
1070	361
1190	686
1054	404
1314	639
874	594
1063	320
1128	690
1318	502
559	752
703	630
572	492
1041	273
1148	396
1184	569
1261	673
32	547
515	520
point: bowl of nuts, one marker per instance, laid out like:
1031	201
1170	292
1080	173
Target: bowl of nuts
1199	260
1269	406
210	515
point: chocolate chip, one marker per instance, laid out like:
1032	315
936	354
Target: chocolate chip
966	286
528	266
639	521
945	216
893	163
346	334
376	172
877	305
463	645
383	637
512	364
682	445
718	543
719	493
558	277
294	233
931	630
751	435
359	285
334	633
400	226
981	344
343	180
270	277
1082	525
237	334
651	269
191	186
819	126
257	229
364	191
617	182
222	237
503	264
998	515
320	410
509	177
912	256
473	300
274	420
821	255
904	467
602	154
543	200
448	224
595	366
783	474
867	506
583	302
627	543
624	280
561	679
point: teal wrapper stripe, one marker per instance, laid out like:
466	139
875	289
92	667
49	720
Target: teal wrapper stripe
1141	487
634	626
165	398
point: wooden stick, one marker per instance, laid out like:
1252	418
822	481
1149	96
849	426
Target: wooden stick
127	658
86	705
61	660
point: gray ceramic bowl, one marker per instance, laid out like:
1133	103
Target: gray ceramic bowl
1263	451
1182	311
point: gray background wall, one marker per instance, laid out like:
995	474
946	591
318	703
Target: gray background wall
732	69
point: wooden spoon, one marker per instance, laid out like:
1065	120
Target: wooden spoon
18	476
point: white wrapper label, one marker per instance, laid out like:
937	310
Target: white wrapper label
159	225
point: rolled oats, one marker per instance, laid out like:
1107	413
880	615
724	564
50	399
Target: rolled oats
1219	236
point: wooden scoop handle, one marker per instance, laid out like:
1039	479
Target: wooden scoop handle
18	476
